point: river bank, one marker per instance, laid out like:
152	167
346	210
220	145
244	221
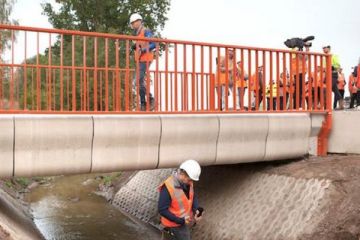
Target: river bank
72	207
15	221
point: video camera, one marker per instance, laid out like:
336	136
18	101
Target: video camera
300	43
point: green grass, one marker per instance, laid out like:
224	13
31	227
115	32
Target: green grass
24	182
8	184
107	180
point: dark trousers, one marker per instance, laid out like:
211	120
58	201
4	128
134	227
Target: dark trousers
260	97
316	104
355	96
335	89
342	92
274	102
319	89
177	233
300	87
143	67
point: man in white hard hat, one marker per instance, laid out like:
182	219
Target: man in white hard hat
143	54
335	65
178	204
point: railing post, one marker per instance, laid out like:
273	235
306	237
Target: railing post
327	123
212	92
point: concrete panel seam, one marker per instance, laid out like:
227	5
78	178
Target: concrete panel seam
159	145
217	138
267	136
92	143
13	145
309	116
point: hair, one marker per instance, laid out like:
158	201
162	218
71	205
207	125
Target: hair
182	171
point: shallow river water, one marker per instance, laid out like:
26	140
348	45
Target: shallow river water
67	208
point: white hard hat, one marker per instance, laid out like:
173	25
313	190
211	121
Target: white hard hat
192	168
134	17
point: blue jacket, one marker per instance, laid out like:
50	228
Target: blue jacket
147	34
165	202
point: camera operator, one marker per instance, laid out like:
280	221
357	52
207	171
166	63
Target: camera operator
298	73
335	66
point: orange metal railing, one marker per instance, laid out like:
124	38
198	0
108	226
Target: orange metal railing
61	71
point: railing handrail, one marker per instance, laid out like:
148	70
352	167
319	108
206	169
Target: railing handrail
128	37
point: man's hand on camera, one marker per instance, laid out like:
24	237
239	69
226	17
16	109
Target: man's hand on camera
197	217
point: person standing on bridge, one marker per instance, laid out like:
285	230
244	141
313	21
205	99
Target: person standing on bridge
225	76
299	70
341	84
143	55
354	91
335	65
178	204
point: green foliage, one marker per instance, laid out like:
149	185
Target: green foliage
8	184
24	182
6	7
108	179
109	16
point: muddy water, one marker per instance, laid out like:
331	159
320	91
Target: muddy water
67	209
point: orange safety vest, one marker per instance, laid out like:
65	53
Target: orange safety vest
358	77
319	81
180	206
307	89
352	84
221	75
254	82
341	83
146	56
241	83
302	68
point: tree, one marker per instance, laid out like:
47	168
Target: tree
6	7
110	16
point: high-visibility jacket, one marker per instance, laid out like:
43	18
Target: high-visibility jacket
302	67
180	206
358	76
335	62
254	82
274	90
240	78
319	81
352	84
341	81
307	89
144	49
221	75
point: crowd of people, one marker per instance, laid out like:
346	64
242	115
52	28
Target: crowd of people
305	87
297	88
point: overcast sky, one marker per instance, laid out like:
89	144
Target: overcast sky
260	23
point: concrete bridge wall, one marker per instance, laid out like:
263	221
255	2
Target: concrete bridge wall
345	133
35	145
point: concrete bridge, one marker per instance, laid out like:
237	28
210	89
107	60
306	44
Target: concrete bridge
34	145
62	115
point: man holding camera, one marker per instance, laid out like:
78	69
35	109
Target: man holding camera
335	66
143	55
299	69
178	204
